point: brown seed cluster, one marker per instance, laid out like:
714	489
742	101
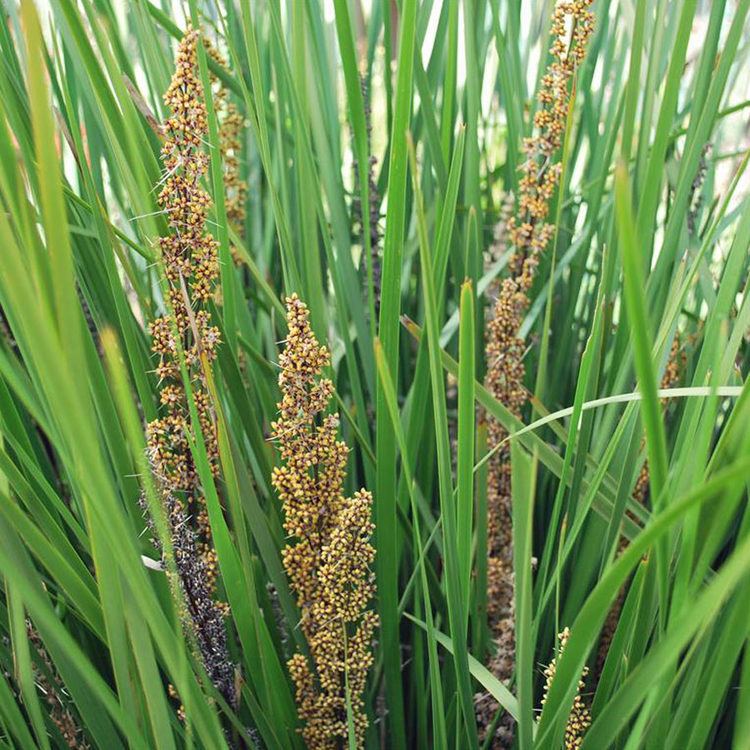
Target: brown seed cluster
231	125
504	379
329	559
529	232
191	268
189	255
579	719
499	246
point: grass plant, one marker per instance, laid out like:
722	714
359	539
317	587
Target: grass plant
487	260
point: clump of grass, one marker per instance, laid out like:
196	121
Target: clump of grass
538	219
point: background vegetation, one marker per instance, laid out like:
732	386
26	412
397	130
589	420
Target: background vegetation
433	100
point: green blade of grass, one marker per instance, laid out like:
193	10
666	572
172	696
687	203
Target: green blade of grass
523	488
454	585
388	331
466	437
436	690
636	305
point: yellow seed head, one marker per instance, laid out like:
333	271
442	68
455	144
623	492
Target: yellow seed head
328	560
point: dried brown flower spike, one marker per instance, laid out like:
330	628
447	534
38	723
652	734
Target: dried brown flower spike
191	268
231	124
329	560
572	25
529	233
